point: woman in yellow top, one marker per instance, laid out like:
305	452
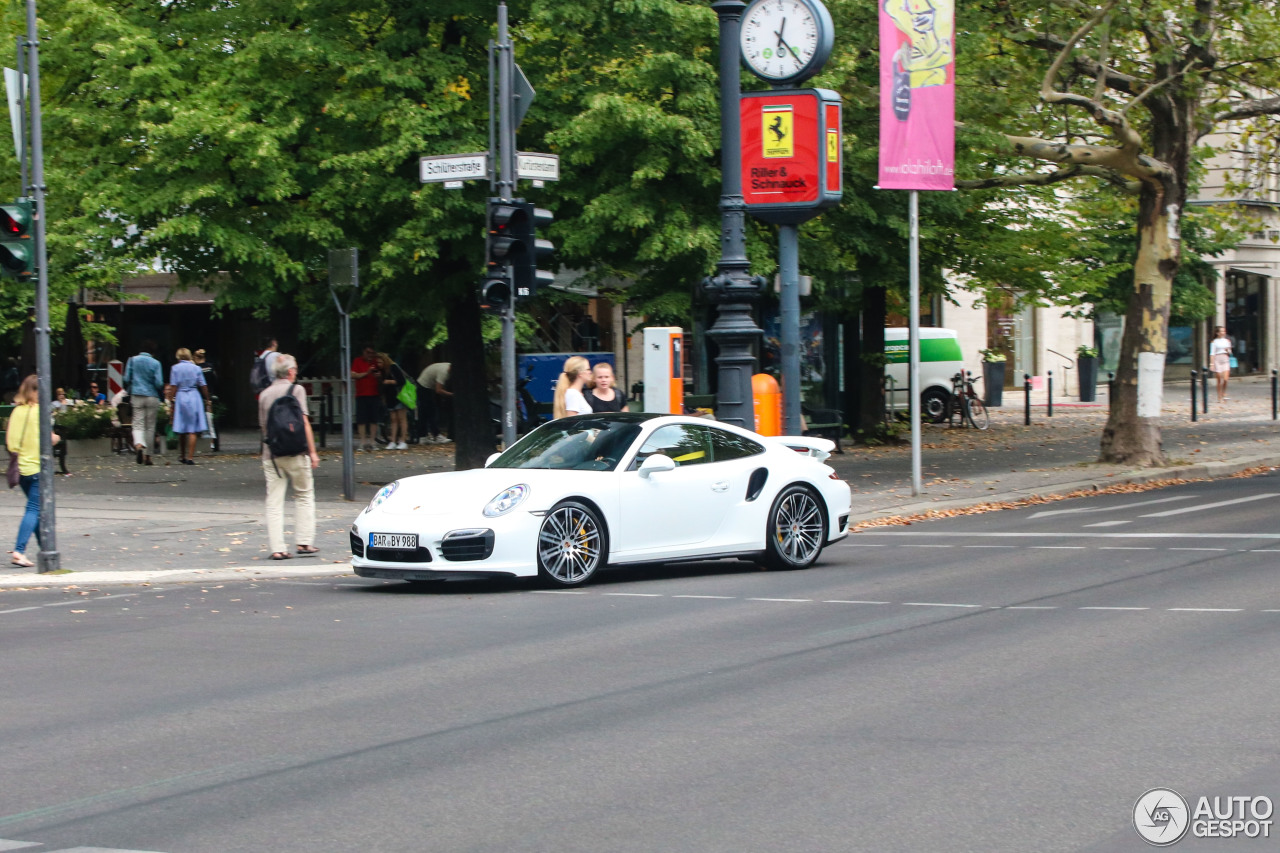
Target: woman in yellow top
23	438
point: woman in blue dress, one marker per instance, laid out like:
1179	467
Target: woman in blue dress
186	388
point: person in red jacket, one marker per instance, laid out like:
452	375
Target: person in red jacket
366	370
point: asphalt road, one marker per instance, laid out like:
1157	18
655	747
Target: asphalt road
1006	682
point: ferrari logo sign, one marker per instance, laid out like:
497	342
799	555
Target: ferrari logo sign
777	131
833	146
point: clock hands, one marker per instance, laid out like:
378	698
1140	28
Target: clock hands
782	43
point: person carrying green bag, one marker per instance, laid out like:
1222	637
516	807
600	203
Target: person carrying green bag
396	385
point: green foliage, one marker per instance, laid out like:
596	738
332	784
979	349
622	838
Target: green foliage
82	421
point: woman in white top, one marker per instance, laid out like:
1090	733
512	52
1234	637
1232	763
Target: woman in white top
569	397
1220	360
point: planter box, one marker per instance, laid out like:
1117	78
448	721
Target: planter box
83	448
1087	370
993	383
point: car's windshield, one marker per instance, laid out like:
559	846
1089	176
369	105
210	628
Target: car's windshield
580	443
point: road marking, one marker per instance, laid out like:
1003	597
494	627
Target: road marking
19	610
17	845
1124	548
797	600
637	594
845	601
717	596
935	604
1048	512
1114	608
1205	609
988	546
1056	547
1196	549
1108	523
1198	507
1030	607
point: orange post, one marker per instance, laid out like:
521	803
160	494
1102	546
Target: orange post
768	404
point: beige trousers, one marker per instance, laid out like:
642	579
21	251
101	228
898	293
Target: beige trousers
144	421
295	471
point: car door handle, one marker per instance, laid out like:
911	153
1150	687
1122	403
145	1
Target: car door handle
722	486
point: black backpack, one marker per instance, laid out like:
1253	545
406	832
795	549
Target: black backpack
287	426
259	378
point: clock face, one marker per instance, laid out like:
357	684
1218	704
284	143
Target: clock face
784	40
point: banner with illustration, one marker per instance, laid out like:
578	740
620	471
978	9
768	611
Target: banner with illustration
917	94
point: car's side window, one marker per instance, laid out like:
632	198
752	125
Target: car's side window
686	444
726	445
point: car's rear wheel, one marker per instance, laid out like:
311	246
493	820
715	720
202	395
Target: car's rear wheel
797	530
572	544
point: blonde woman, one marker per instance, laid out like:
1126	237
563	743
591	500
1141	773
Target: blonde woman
604	395
569	399
393	380
186	387
23	438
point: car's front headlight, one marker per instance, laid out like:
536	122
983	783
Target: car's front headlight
506	500
383	494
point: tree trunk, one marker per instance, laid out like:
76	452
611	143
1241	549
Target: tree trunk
1132	434
867	368
473	434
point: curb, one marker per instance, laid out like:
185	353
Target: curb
231	573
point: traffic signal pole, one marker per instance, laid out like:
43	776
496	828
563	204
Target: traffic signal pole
507	192
49	559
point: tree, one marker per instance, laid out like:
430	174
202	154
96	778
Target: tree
1150	80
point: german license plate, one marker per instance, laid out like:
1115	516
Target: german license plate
398	541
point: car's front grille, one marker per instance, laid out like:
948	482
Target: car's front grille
357	545
400	555
461	549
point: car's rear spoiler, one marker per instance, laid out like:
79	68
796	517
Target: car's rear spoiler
810	445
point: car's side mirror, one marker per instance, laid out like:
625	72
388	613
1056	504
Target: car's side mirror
656	462
489	461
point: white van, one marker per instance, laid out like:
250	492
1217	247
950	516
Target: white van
939	361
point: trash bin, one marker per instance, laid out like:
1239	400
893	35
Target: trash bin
768	404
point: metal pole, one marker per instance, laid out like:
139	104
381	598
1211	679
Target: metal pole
1204	389
1193	396
789	325
507	190
913	350
1050	389
732	289
348	413
49	559
1111	389
1026	394
1274	389
493	142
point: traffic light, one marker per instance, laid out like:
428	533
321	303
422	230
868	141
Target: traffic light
514	250
528	278
495	295
17	249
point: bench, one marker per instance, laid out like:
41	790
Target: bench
825	423
693	402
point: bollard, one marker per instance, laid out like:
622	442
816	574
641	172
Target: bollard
1204	389
324	417
1111	389
1274	388
1049	387
1026	390
1193	396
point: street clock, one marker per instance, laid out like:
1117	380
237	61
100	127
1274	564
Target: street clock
786	41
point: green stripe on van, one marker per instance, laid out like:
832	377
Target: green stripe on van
931	349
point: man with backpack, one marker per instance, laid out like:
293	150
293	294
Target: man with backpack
260	375
288	455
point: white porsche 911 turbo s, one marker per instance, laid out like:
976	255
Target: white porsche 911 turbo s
584	492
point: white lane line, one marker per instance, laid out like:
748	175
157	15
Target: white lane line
637	594
1264	550
1055	547
1124	548
561	591
1113	608
1198	507
65	603
1205	609
935	604
1197	549
1030	607
846	601
797	600
18	845
715	596
117	595
20	609
1108	523
1048	512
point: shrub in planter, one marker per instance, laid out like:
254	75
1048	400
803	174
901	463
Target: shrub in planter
76	422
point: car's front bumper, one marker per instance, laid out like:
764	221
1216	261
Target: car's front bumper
494	547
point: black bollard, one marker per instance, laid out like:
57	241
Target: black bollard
1049	387
1204	389
1193	396
1274	388
1026	391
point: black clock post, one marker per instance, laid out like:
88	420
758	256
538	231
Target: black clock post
732	289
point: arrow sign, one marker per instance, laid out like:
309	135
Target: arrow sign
454	167
523	96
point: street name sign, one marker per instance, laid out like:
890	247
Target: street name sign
537	167
454	167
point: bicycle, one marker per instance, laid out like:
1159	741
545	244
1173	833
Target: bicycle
965	404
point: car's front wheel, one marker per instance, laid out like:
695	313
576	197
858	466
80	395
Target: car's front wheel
796	531
572	544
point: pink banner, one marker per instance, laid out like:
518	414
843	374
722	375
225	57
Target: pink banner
917	95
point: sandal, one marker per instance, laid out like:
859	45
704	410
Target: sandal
307	550
281	555
21	560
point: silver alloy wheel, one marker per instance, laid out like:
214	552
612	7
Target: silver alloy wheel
797	528
570	544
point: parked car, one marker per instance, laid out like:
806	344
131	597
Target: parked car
585	492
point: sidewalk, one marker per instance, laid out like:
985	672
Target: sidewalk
120	523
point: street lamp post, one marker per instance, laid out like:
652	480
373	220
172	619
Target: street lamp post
732	289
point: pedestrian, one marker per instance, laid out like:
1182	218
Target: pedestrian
604	395
95	396
569	399
199	359
367	373
1220	360
282	472
186	388
393	382
23	438
144	380
433	403
260	373
60	401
